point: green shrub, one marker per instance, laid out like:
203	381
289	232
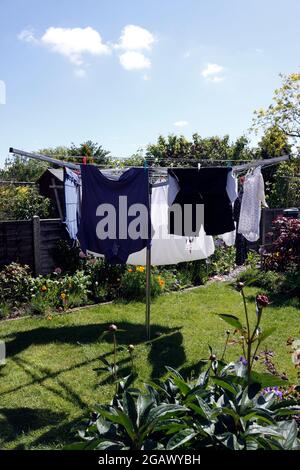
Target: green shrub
60	292
273	282
22	203
105	279
291	283
39	304
222	261
15	284
193	273
4	310
66	257
133	284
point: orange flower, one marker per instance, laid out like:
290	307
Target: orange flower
43	288
129	270
140	269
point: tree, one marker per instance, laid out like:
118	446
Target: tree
178	148
22	169
282	182
274	143
94	152
284	112
22	203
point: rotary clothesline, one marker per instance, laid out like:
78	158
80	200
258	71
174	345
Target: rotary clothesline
235	168
153	172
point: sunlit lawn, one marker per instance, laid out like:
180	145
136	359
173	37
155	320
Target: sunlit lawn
49	381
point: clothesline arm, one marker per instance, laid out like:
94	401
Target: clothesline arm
160	171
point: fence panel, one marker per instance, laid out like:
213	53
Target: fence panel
30	242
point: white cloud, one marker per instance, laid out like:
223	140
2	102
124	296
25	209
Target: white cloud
146	77
212	73
211	69
181	123
132	60
80	73
27	35
73	43
135	38
77	43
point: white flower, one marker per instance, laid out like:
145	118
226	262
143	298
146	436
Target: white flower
296	344
296	357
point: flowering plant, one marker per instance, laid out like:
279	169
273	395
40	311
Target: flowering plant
133	284
285	250
250	339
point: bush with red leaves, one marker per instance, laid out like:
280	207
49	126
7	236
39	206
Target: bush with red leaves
285	251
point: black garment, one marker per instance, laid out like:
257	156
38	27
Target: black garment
241	244
205	186
98	192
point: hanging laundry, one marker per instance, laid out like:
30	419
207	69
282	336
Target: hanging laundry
232	186
170	249
253	198
72	201
207	187
232	191
241	244
115	218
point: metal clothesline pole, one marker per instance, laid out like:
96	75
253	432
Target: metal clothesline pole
44	158
148	268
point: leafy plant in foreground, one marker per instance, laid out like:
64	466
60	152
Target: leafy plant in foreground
223	413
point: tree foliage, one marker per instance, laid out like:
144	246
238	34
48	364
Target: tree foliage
22	203
94	152
178	148
284	112
22	169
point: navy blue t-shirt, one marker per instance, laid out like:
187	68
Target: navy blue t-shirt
115	216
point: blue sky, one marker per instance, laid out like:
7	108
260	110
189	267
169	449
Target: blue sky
122	72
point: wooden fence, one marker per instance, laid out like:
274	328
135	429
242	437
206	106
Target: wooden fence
31	242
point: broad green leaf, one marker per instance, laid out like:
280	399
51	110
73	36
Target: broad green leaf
164	410
130	408
224	384
289	432
231	320
181	438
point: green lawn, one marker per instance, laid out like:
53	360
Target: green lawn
49	381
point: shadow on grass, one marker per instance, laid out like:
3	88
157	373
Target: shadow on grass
166	350
17	421
37	372
134	333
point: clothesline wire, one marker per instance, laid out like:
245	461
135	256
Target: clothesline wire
158	170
